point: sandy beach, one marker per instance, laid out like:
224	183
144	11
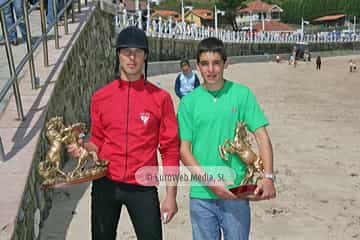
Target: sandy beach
316	138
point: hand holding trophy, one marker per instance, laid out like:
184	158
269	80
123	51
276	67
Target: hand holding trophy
88	166
241	146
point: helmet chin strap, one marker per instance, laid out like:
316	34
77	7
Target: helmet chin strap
146	67
117	67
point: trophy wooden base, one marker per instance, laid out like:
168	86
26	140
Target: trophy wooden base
246	192
68	182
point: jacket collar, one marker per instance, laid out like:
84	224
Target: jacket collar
136	84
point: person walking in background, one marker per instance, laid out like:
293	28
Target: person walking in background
186	81
352	66
17	6
291	60
294	57
318	63
277	59
130	120
207	116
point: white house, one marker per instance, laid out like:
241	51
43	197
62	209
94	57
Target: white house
257	11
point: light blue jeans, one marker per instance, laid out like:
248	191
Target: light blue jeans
50	10
16	5
210	217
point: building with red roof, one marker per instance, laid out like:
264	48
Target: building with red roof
272	26
257	11
130	5
201	17
166	14
331	20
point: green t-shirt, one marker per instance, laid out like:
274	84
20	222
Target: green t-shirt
206	119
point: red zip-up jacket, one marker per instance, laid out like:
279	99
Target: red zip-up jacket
129	122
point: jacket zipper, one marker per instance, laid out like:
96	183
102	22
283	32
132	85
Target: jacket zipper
127	130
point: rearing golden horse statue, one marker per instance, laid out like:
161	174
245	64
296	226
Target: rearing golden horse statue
241	146
50	168
88	166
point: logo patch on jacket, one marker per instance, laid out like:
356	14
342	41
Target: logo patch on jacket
144	116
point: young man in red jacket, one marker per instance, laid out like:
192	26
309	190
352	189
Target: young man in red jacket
130	119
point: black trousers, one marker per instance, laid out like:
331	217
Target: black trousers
142	203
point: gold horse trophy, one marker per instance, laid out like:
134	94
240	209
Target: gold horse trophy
88	166
241	146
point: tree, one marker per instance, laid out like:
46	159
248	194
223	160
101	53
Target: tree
231	7
176	5
169	5
311	9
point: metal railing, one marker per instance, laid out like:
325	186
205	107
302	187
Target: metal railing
15	70
158	27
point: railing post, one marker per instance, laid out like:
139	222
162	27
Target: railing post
72	11
34	81
56	29
124	18
148	17
2	152
139	23
160	27
79	6
43	31
170	27
66	26
12	68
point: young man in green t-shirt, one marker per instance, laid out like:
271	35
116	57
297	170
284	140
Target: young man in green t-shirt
207	116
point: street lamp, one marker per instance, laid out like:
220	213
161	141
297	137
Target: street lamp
303	22
183	10
222	13
354	25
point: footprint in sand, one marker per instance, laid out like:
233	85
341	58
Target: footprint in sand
276	211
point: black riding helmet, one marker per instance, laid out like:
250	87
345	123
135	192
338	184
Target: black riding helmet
132	37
